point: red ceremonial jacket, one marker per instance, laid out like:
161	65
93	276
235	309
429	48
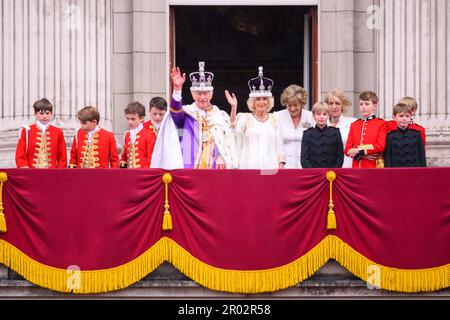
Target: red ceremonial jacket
370	133
30	147
139	154
149	125
103	152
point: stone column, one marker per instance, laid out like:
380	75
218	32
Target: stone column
60	50
414	43
139	55
347	48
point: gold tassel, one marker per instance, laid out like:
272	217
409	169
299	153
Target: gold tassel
3	178
331	218
379	163
167	218
167	221
3	228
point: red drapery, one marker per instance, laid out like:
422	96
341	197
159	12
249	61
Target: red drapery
232	224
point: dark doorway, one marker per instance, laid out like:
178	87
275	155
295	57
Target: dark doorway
234	40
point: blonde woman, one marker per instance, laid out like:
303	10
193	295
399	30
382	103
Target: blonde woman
294	120
339	103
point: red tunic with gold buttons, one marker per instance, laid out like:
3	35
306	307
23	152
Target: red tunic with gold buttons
139	153
370	137
392	126
102	153
37	149
149	125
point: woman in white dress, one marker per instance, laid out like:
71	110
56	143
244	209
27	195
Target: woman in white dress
258	138
293	121
339	103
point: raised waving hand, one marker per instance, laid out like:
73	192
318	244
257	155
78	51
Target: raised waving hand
177	78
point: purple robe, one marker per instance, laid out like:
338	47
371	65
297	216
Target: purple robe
190	139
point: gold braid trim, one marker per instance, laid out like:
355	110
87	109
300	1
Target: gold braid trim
175	111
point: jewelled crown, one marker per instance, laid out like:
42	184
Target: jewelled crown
201	80
260	86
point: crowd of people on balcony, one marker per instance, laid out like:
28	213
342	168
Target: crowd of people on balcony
203	136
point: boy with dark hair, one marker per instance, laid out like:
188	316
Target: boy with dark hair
93	147
404	146
367	137
41	145
322	145
157	109
138	142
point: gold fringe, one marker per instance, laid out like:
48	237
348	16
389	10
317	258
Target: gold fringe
3	178
82	282
235	281
392	279
257	281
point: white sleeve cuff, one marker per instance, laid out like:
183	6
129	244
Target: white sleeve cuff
176	95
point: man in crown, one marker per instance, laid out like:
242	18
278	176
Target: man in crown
206	141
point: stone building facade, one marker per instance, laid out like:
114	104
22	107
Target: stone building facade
110	52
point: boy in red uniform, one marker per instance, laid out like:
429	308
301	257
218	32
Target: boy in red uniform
367	137
158	108
93	147
138	142
41	145
412	104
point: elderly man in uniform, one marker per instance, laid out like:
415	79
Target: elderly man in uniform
204	139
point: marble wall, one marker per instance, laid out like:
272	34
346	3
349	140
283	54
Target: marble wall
60	50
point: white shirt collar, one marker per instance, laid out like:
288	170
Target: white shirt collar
135	131
42	126
91	133
156	125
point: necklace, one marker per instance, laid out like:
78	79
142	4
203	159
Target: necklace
266	116
334	121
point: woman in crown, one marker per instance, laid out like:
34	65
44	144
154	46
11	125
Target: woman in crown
258	136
